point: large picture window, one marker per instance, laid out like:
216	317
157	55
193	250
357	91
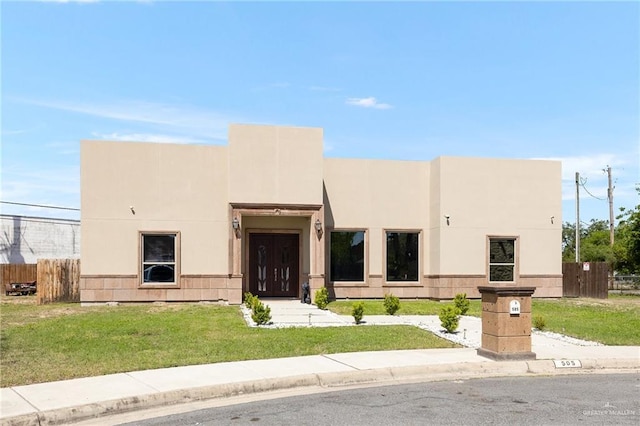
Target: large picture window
402	256
159	258
347	256
502	259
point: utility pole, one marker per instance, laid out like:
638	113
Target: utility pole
611	227
610	198
577	217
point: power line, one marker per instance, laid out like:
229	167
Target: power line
582	182
39	205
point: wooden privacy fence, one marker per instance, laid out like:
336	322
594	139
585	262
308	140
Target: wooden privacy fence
58	280
585	279
18	273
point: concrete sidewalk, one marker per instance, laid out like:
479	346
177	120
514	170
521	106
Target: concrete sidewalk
81	399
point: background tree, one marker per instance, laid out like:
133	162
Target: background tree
627	242
568	242
595	244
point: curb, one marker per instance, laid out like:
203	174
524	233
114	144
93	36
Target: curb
382	376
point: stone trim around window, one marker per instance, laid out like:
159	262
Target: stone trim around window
159	259
502	259
402	256
348	261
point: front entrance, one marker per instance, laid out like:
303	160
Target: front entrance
274	265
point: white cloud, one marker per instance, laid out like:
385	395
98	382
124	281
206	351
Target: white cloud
589	167
64	148
185	119
148	137
592	170
56	186
13	132
369	102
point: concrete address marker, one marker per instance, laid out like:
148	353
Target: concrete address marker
567	363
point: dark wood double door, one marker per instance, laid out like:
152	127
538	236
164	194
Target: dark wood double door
274	265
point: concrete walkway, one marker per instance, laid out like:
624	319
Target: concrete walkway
89	398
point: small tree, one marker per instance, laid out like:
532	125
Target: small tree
449	318
261	313
322	298
391	303
358	311
462	303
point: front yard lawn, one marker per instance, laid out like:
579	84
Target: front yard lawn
613	321
64	341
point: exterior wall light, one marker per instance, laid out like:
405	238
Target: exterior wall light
447	217
235	224
318	226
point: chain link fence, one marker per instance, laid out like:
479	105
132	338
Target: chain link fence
625	283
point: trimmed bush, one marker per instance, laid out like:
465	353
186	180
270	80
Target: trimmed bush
539	322
358	312
449	318
461	302
322	298
249	300
261	313
391	303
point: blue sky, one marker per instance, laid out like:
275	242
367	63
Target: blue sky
408	81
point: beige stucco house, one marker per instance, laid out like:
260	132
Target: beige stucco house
267	212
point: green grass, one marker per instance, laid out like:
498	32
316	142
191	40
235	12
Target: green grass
407	307
613	321
63	341
56	342
592	319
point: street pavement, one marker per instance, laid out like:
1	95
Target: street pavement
76	400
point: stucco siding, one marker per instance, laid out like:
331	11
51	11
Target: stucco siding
132	187
272	179
498	197
377	196
275	165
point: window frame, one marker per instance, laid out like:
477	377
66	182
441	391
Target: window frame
176	261
516	257
364	255
385	258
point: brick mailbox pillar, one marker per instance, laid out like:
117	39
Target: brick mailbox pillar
506	323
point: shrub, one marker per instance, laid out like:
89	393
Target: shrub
539	322
449	318
261	313
249	300
391	303
461	303
322	298
358	311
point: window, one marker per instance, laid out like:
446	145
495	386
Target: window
159	258
502	259
347	256
402	256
